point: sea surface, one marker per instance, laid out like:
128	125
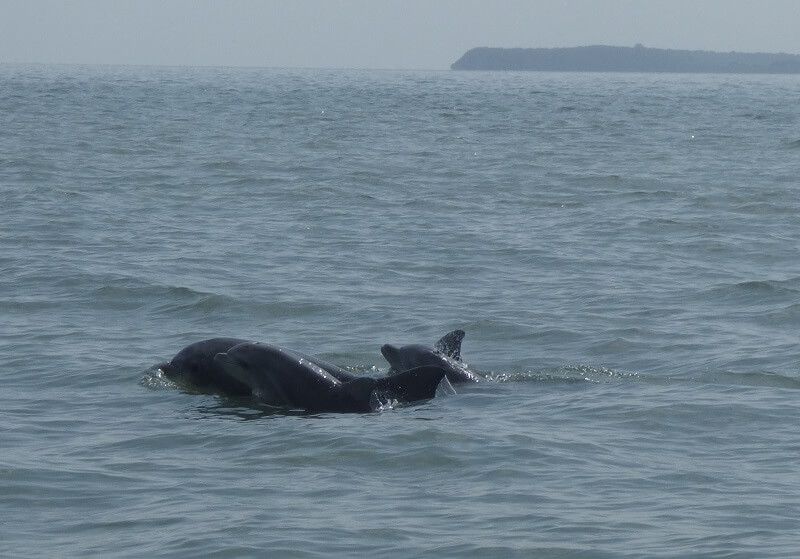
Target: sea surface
623	251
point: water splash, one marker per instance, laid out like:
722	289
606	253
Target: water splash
565	374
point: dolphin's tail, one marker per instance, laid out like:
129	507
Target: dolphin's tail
415	384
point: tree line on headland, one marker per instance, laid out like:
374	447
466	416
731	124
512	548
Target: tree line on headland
602	58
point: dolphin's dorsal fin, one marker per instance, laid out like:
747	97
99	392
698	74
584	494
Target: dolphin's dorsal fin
450	344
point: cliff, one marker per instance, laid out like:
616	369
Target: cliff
626	59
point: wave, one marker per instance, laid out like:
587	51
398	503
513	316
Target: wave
756	288
127	294
567	374
765	208
571	374
765	379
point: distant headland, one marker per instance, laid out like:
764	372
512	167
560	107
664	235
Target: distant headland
600	58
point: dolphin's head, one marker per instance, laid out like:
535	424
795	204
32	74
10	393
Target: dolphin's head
250	364
392	354
238	362
242	355
411	356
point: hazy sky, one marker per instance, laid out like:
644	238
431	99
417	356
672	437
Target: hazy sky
418	34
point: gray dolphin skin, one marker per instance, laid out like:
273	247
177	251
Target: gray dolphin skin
445	354
283	378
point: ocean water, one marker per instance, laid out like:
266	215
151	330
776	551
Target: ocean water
622	250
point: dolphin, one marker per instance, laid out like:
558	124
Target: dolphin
445	354
195	365
283	378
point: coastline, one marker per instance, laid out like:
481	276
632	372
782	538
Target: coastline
602	58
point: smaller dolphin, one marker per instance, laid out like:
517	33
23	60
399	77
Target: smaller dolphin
445	354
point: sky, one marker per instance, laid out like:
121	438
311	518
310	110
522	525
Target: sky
391	34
